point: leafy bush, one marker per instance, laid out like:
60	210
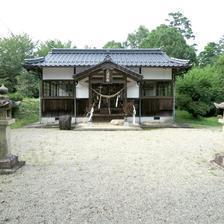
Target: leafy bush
195	92
28	84
15	96
200	87
27	112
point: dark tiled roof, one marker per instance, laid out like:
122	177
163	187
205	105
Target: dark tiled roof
89	57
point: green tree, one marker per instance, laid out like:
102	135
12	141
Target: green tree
136	38
221	44
113	44
181	23
45	47
13	51
171	41
219	65
218	80
28	84
209	54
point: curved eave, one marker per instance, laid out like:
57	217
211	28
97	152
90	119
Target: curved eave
92	65
33	63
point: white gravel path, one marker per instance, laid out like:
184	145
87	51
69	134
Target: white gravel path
157	176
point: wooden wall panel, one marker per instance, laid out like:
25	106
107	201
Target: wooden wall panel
57	107
156	106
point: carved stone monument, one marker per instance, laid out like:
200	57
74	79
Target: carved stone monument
8	163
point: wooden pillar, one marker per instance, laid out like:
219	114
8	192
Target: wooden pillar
74	94
90	92
140	101
174	96
41	89
125	89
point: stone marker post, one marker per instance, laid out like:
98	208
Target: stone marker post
219	157
8	163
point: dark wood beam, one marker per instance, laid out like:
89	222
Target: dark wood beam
40	95
74	89
140	101
90	92
125	89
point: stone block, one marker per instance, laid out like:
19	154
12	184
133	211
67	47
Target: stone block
117	121
65	122
219	159
10	164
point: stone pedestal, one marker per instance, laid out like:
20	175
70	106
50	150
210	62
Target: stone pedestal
8	163
219	159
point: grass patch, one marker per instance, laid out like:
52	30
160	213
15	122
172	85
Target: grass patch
26	113
183	117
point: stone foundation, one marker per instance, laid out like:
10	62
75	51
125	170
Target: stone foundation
10	164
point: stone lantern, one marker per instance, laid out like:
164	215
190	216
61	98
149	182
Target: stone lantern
8	163
219	157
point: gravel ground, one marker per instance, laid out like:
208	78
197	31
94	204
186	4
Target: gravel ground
157	176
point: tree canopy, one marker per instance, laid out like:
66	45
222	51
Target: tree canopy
211	52
221	44
181	23
45	47
113	44
135	39
171	41
13	51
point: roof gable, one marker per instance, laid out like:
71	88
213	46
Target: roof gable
107	64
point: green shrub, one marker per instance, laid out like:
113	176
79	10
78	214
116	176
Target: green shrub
195	92
28	84
15	96
27	112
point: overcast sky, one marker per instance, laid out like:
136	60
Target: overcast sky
94	22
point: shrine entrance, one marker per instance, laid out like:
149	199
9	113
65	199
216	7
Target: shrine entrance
108	100
107	83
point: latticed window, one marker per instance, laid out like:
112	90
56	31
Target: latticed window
164	89
155	88
149	88
46	89
58	88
